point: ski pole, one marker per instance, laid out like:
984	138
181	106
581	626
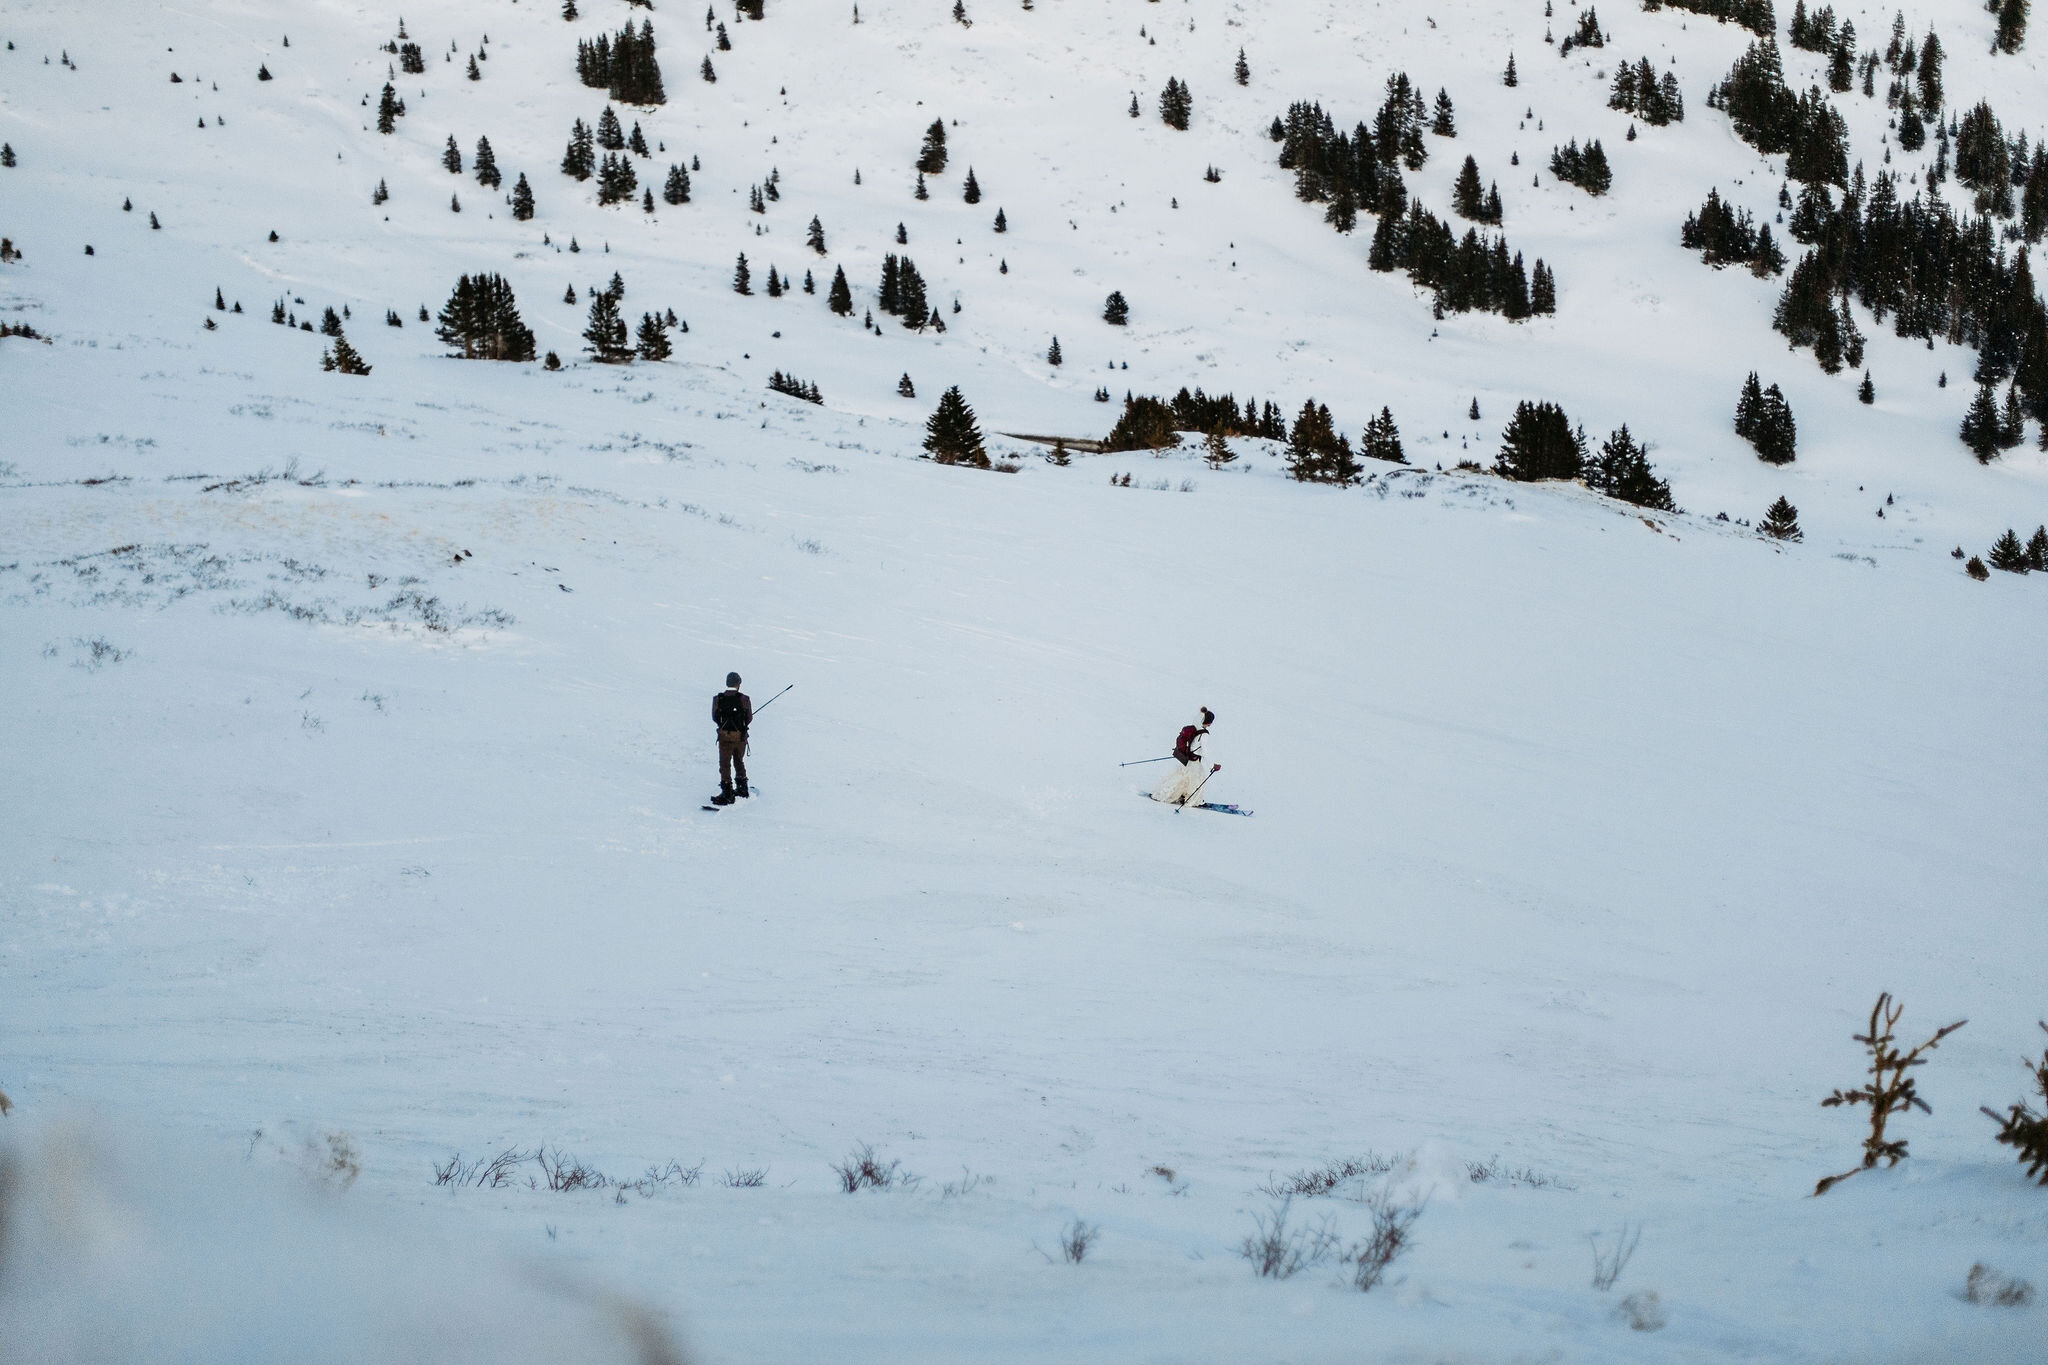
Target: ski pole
772	700
1197	791
1141	762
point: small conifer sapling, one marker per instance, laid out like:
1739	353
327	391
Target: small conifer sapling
1889	1091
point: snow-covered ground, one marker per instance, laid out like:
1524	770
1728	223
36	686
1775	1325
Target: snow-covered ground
356	729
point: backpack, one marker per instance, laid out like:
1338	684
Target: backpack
1184	747
728	711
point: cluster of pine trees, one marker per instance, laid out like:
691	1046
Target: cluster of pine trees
1541	443
1176	104
1469	201
1764	419
779	382
1361	170
1639	91
2009	555
902	293
1588	169
625	65
1149	423
1993	167
1769	117
1725	235
481	317
1755	15
1317	452
1989	429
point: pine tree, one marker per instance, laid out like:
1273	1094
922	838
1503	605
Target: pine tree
971	191
330	322
580	160
1781	521
1543	291
1468	199
451	158
475	73
605	336
636	142
1116	312
388	110
950	434
1508	77
814	238
904	388
1776	436
1980	430
1749	406
2037	550
839	298
522	199
810	285
1622	470
381	194
610	135
1134	106
710	76
2012	25
1382	439
569	10
1216	451
921	194
220	301
569	294
1002	224
7	155
1866	392
482	318
677	188
1540	443
774	284
2008	555
344	358
1445	124
1242	72
2012	424
487	165
931	158
1176	104
653	338
742	278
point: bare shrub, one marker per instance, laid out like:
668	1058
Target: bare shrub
1890	1090
1278	1252
1492	1171
967	1184
1324	1179
1987	1287
1391	1223
862	1170
1608	1265
1075	1239
563	1173
744	1178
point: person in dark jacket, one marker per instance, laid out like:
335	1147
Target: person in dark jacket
732	713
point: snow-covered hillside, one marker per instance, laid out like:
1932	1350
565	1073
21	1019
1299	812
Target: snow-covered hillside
356	726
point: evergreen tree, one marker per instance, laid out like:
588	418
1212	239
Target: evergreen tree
487	165
1216	451
676	190
345	359
1317	453
1543	291
381	194
2037	550
580	160
388	110
1002	223
1445	124
839	298
1980	429
1842	60
569	10
1134	106
2012	25
1776	435
742	278
1052	353
610	135
1781	521
653	338
1622	470
2012	425
774	284
1176	104
1116	312
475	72
616	181
1928	73
921	194
950	434
330	322
605	336
1866	392
1383	439
904	388
931	158
810	285
2008	555
814	238
1749	407
1508	77
7	155
971	191
636	142
482	318
709	74
451	157
1242	72
1468	199
911	304
1539	443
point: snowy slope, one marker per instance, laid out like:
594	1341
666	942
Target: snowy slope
1582	840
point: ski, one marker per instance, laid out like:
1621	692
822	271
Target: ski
1219	807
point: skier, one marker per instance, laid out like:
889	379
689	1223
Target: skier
732	713
1179	786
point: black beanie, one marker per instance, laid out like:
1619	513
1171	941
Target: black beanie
732	680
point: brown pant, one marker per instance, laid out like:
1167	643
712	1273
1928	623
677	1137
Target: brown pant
732	758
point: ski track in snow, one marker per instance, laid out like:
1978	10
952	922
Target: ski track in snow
358	727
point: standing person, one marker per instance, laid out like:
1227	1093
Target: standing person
732	713
1179	786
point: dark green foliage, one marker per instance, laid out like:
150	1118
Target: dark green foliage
1622	470
839	298
475	72
1002	223
708	72
676	189
902	292
1176	104
1445	124
1725	235
1540	443
624	65
482	318
616	180
7	160
636	142
1588	32
2037	550
1383	439
1982	160
1587	169
1764	419
1509	77
971	191
1052	353
1981	430
814	236
487	165
2012	34
1842	61
1116	311
774	284
1810	316
2020	1128
1755	15
742	277
1317	452
950	434
451	157
2008	555
1866	392
344	358
1781	521
605	335
580	160
1637	90
330	322
1468	200
1242	72
611	135
931	158
779	382
1928	73
390	109
1146	424
904	388
1542	290
1890	1090
652	339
